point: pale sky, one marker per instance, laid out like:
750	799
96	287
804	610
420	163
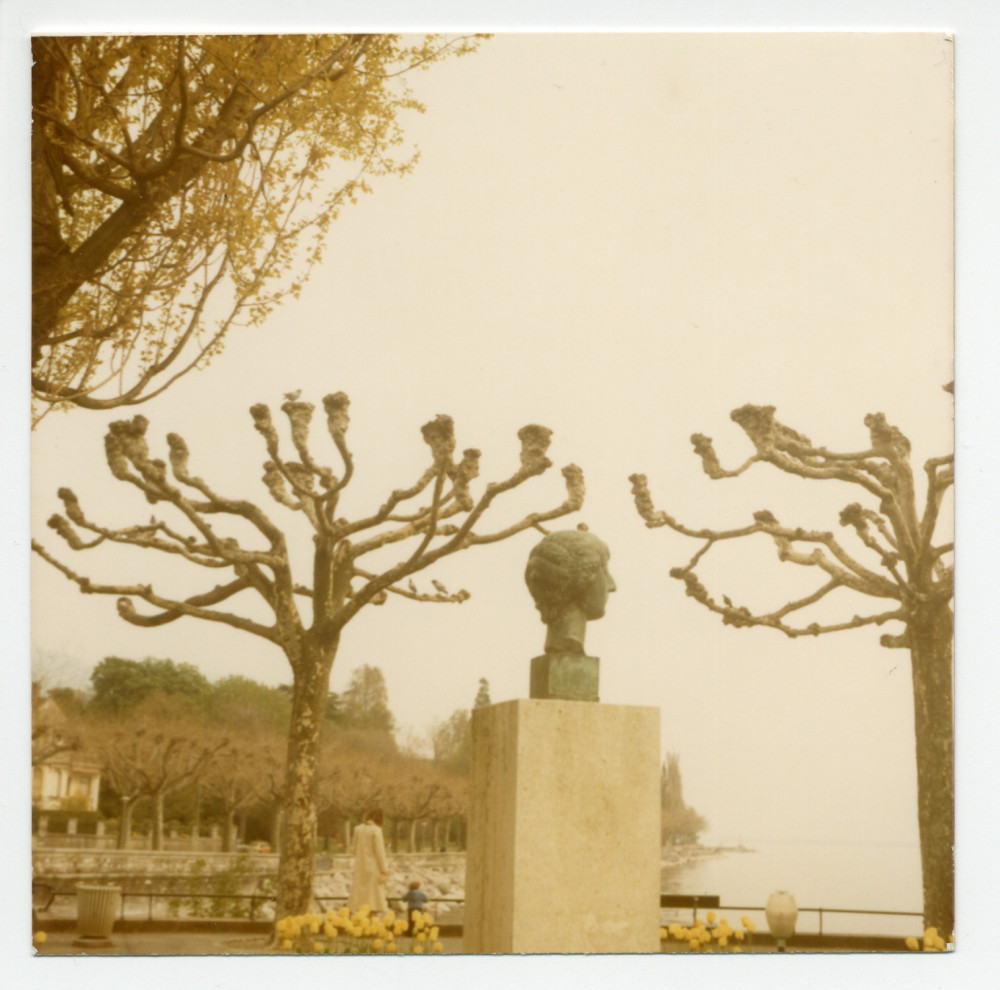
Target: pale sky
622	238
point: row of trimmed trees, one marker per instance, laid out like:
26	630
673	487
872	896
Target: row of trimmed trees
180	748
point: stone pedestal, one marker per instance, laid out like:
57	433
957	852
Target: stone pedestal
564	827
565	676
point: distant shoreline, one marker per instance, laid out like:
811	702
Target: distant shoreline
676	857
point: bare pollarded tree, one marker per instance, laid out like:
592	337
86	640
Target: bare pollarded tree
910	571
446	521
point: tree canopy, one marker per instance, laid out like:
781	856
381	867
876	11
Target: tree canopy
366	701
184	185
483	694
120	684
678	821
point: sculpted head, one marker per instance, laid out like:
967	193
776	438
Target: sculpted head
567	575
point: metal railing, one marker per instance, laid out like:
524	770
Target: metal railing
151	896
821	911
711	902
257	899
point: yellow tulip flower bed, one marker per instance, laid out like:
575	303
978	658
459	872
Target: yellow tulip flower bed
343	933
931	942
710	935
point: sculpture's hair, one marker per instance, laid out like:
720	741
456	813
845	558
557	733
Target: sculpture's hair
561	568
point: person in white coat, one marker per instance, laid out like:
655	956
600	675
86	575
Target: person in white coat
370	867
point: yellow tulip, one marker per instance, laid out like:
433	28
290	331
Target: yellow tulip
663	934
390	947
723	942
434	932
39	938
437	947
317	946
711	917
378	943
738	936
418	948
737	948
421	936
695	944
287	944
750	926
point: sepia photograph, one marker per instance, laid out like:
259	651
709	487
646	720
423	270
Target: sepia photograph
491	492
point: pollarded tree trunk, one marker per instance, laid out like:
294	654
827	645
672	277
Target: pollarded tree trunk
276	818
298	831
157	843
930	635
196	825
228	829
125	822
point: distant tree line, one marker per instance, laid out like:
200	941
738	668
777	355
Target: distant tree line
177	751
679	823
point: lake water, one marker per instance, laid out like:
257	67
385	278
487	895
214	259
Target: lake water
870	877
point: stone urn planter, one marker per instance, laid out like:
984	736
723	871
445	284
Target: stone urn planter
97	907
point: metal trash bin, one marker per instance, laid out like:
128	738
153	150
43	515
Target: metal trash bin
97	906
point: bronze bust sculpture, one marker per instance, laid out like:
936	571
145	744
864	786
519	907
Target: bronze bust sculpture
567	575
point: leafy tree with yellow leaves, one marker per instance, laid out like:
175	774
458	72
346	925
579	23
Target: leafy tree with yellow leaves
184	185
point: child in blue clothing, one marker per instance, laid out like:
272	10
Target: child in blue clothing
415	899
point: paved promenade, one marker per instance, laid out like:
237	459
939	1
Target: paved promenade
60	943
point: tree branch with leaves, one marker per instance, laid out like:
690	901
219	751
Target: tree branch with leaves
182	186
435	516
895	558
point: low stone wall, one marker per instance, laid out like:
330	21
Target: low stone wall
441	875
105	864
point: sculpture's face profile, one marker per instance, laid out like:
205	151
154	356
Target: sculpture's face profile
595	598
